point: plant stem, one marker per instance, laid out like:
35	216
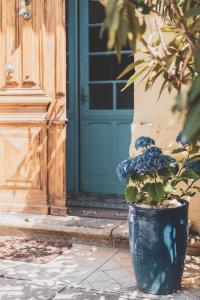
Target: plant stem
183	166
189	187
156	188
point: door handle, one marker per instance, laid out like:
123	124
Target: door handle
24	11
84	96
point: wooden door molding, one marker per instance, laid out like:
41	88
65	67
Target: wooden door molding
33	107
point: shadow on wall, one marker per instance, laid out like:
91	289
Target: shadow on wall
30	159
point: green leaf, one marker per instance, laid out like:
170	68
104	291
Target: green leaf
192	121
137	178
193	12
162	89
197	58
179	150
194	158
158	73
190	174
167	172
168	188
130	68
191	194
171	62
155	191
112	21
195	149
134	77
195	26
194	91
176	181
131	194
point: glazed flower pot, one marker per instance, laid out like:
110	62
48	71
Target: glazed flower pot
158	241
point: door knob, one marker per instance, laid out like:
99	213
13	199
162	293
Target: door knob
25	12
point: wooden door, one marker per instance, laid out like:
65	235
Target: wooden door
32	106
105	112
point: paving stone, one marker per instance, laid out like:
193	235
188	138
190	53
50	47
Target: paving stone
11	289
72	267
124	277
195	292
123	253
90	267
49	275
121	277
84	294
87	254
76	293
98	276
120	236
6	265
108	285
121	259
85	285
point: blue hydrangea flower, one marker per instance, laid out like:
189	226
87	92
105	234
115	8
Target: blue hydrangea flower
152	152
151	160
126	169
195	166
180	139
170	161
143	142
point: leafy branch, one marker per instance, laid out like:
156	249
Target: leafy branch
176	62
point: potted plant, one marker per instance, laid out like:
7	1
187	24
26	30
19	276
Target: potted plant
156	187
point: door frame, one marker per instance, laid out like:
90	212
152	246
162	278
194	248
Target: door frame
74	90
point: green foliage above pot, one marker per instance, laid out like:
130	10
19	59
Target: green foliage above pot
152	177
176	60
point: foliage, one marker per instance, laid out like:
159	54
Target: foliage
176	60
152	177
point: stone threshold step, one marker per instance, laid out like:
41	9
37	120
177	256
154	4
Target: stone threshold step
113	233
94	231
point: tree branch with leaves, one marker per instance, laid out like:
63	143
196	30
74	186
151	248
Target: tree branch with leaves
176	62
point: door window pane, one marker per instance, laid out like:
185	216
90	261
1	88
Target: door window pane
125	98
101	96
96	12
107	67
97	43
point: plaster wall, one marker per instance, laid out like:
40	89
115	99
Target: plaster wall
155	118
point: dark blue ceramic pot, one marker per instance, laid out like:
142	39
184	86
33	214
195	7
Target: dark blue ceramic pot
158	241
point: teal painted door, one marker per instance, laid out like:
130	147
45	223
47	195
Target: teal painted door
105	112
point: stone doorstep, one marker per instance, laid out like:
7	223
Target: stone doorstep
113	233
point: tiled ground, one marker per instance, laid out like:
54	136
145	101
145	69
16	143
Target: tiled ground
84	272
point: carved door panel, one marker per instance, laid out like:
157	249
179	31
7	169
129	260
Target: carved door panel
32	106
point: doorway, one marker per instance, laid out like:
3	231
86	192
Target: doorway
99	113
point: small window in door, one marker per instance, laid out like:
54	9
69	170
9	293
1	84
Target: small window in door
104	90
